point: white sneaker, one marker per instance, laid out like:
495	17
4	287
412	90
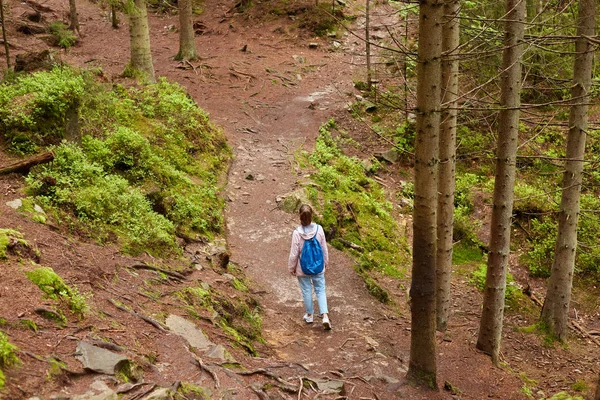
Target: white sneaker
326	323
308	318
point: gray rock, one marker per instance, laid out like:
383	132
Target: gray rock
330	386
218	352
15	204
160	394
390	156
100	391
291	202
98	359
299	59
229	277
188	330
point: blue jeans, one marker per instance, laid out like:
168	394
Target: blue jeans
307	283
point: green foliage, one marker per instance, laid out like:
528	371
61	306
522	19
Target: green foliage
542	239
579	386
8	356
8	236
531	199
464	254
355	208
33	108
464	228
63	36
148	166
55	288
375	288
29	324
8	352
55	368
404	136
564	396
321	20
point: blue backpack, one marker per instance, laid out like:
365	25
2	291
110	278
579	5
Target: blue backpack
311	257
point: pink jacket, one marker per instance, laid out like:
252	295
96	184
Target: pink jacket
298	238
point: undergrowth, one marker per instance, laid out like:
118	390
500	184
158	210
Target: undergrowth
55	288
143	166
8	356
354	210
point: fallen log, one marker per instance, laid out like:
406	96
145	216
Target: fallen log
27	164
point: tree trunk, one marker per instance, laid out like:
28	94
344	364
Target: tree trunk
74	20
422	366
445	217
6	50
368	43
187	47
114	18
490	328
141	57
555	312
27	164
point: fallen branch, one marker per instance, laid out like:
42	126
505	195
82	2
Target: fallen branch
27	164
149	320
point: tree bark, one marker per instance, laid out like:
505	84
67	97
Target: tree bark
27	164
490	328
422	366
141	57
74	20
555	312
6	47
368	43
114	18
445	216
187	47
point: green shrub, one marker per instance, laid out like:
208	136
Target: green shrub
55	288
543	233
33	108
148	167
8	356
63	36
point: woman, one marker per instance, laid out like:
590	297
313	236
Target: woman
306	231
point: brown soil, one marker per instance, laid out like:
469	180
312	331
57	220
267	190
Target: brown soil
269	105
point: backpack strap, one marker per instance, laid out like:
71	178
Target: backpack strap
316	231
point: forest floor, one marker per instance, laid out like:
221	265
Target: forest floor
270	100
